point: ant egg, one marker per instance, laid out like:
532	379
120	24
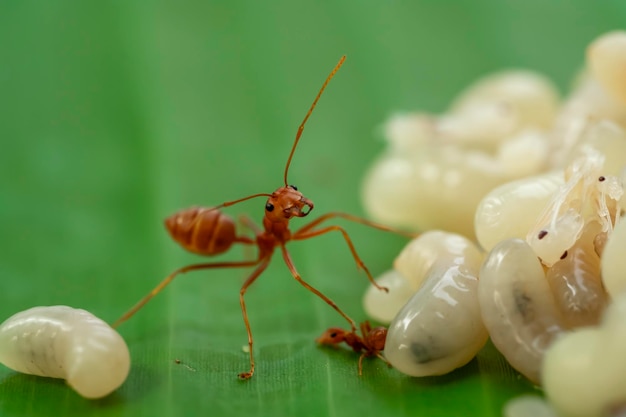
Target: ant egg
68	343
521	200
607	59
583	372
440	328
517	305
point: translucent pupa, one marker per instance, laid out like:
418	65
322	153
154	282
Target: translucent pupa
68	343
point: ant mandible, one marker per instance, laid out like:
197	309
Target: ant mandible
371	344
208	232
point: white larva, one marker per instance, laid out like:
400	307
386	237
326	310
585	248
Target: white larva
68	343
411	268
584	372
440	328
517	306
438	167
607	59
614	262
438	187
522	200
528	406
531	96
383	306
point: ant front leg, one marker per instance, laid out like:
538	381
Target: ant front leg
355	219
255	274
307	233
298	278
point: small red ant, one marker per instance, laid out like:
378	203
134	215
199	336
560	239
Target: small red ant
371	344
208	232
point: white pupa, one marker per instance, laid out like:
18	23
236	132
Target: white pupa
584	372
614	262
511	209
383	306
440	328
607	59
68	343
517	306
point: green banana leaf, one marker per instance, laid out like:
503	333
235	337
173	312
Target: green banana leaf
113	115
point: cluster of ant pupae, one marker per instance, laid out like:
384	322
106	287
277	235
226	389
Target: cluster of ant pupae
531	195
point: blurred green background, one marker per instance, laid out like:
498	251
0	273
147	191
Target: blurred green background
115	114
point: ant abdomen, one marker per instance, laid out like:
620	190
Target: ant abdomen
202	230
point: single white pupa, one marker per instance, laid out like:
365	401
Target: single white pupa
517	306
614	261
606	57
68	343
440	328
511	209
584	372
383	306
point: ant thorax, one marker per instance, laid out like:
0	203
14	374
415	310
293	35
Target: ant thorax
285	203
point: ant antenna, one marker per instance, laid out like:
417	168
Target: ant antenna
301	128
230	203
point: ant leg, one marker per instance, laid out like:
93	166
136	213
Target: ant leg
173	275
308	234
354	219
361	363
382	358
258	271
298	278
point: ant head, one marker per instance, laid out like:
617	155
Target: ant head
332	336
377	337
285	203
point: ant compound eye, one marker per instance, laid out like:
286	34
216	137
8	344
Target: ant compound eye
269	207
294	187
333	334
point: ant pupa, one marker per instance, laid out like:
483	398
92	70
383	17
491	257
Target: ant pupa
68	343
208	232
371	343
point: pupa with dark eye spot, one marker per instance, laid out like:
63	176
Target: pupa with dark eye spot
440	328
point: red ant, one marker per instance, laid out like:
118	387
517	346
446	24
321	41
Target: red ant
208	232
371	344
